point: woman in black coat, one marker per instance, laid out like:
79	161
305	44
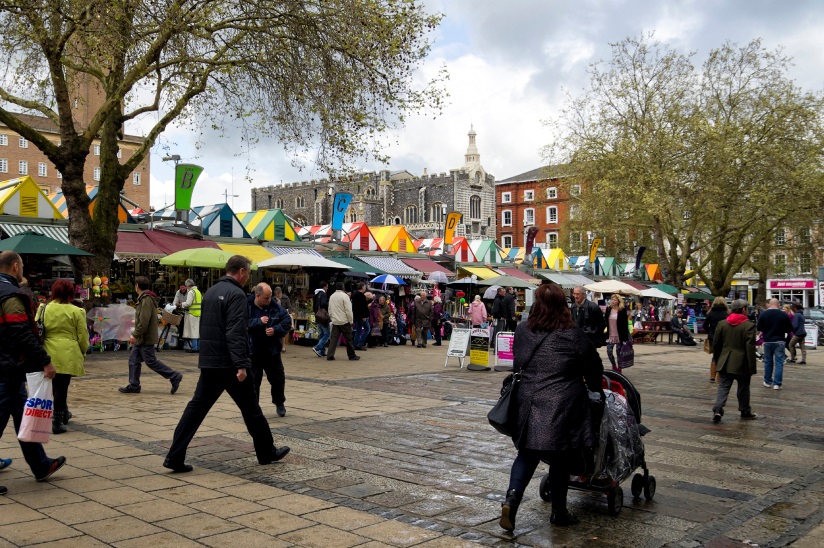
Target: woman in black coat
615	318
716	315
557	363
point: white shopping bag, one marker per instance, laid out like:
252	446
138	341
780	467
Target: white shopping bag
37	413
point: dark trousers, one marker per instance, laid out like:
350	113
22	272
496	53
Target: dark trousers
273	367
385	332
423	332
60	388
743	393
437	332
362	331
527	462
337	331
147	353
210	386
12	401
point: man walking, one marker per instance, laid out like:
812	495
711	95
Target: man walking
509	309
321	303
340	312
191	329
360	310
588	316
734	356
799	334
498	314
224	365
774	325
285	303
20	352
143	341
423	319
268	323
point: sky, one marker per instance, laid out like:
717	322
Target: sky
511	65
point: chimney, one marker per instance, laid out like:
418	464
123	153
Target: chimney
424	172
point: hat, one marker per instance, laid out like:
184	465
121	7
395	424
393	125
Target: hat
739	304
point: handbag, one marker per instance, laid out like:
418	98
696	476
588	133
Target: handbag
626	355
36	425
500	416
376	331
322	316
707	347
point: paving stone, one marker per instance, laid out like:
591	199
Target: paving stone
81	512
187	494
156	510
253	491
118	496
297	504
343	518
198	525
227	507
361	490
160	540
273	522
321	536
16	512
396	534
116	529
243	537
47	498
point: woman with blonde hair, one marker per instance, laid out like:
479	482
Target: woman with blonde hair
718	313
615	317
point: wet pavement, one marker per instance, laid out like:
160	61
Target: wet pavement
395	450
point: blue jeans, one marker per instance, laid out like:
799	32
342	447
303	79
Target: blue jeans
12	401
774	351
325	331
362	331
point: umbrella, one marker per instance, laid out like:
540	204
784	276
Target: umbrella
34	243
204	257
507	281
438	276
464	281
491	292
301	260
387	279
656	294
612	286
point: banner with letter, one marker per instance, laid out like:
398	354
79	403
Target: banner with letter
185	178
594	249
638	258
530	240
339	207
452	220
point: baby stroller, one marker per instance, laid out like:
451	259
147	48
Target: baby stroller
620	450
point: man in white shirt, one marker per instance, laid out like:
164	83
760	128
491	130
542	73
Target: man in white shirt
340	312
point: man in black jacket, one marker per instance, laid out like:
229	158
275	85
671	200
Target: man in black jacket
498	314
588	316
224	364
509	309
268	324
360	309
19	339
321	302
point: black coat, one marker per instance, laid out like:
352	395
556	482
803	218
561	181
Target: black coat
509	306
360	308
553	407
588	316
623	323
279	320
716	315
498	307
224	327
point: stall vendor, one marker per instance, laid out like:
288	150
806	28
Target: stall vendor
191	329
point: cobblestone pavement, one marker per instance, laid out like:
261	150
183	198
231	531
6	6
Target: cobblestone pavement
394	450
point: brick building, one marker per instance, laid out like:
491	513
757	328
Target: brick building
535	198
396	198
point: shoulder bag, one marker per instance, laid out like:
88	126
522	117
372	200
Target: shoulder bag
500	416
322	316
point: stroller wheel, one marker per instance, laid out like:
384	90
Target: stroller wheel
544	490
615	500
637	485
649	488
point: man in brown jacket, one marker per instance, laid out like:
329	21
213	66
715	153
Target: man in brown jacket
423	319
144	339
734	355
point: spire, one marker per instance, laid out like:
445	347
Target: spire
472	157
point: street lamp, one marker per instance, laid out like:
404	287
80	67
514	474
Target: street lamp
172	158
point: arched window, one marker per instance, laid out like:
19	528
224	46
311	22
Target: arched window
300	202
351	215
475	207
437	213
279	203
397	220
301	220
410	215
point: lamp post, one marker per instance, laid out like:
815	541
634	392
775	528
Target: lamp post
178	215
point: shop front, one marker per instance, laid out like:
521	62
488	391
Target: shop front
802	290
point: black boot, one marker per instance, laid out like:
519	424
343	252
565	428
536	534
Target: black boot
563	518
67	416
57	423
509	508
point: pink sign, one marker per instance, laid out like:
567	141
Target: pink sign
504	345
791	284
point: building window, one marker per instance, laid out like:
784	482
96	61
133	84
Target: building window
351	215
780	264
506	197
59	175
506	241
575	190
574	212
23	167
397	220
575	241
300	202
96	175
4	140
410	215
529	195
4	165
24	143
475	207
805	263
97	150
136	179
552	193
805	236
437	213
552	215
529	217
42	170
552	240
780	237
506	218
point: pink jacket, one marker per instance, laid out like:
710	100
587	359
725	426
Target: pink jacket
477	312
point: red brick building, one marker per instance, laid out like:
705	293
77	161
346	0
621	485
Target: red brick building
535	198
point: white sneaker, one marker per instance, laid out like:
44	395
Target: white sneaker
777	387
768	385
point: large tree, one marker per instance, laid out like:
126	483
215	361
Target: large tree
327	76
701	166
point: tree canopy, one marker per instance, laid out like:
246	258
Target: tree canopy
319	75
701	166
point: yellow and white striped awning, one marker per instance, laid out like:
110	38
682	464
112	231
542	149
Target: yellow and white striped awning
481	272
255	253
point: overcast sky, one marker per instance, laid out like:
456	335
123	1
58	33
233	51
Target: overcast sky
511	64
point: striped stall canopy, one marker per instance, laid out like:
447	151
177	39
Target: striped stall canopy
487	251
59	233
217	220
357	235
268	224
394	238
393	266
59	200
24	198
278	251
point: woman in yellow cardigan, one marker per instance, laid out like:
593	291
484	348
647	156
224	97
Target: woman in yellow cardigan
66	341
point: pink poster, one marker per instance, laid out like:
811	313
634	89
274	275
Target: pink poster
504	346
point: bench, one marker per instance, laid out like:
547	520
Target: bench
650	331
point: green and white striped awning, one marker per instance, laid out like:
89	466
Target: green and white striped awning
59	233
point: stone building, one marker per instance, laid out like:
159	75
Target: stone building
396	197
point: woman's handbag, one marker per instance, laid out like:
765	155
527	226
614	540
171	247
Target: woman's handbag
376	331
707	347
500	416
626	355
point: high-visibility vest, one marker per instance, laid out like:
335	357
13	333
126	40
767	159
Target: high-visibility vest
194	310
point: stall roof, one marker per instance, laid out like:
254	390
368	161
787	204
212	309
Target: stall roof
59	233
636	285
391	265
136	246
564	280
486	251
578	279
481	272
358	266
427	266
215	220
169	242
268	224
515	273
256	253
284	250
393	238
23	197
59	201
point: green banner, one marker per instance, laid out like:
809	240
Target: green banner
185	178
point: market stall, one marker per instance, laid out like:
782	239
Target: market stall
22	197
357	236
213	220
123	212
487	251
268	224
394	238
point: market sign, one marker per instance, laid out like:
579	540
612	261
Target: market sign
185	178
791	284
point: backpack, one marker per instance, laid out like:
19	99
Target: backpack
41	322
